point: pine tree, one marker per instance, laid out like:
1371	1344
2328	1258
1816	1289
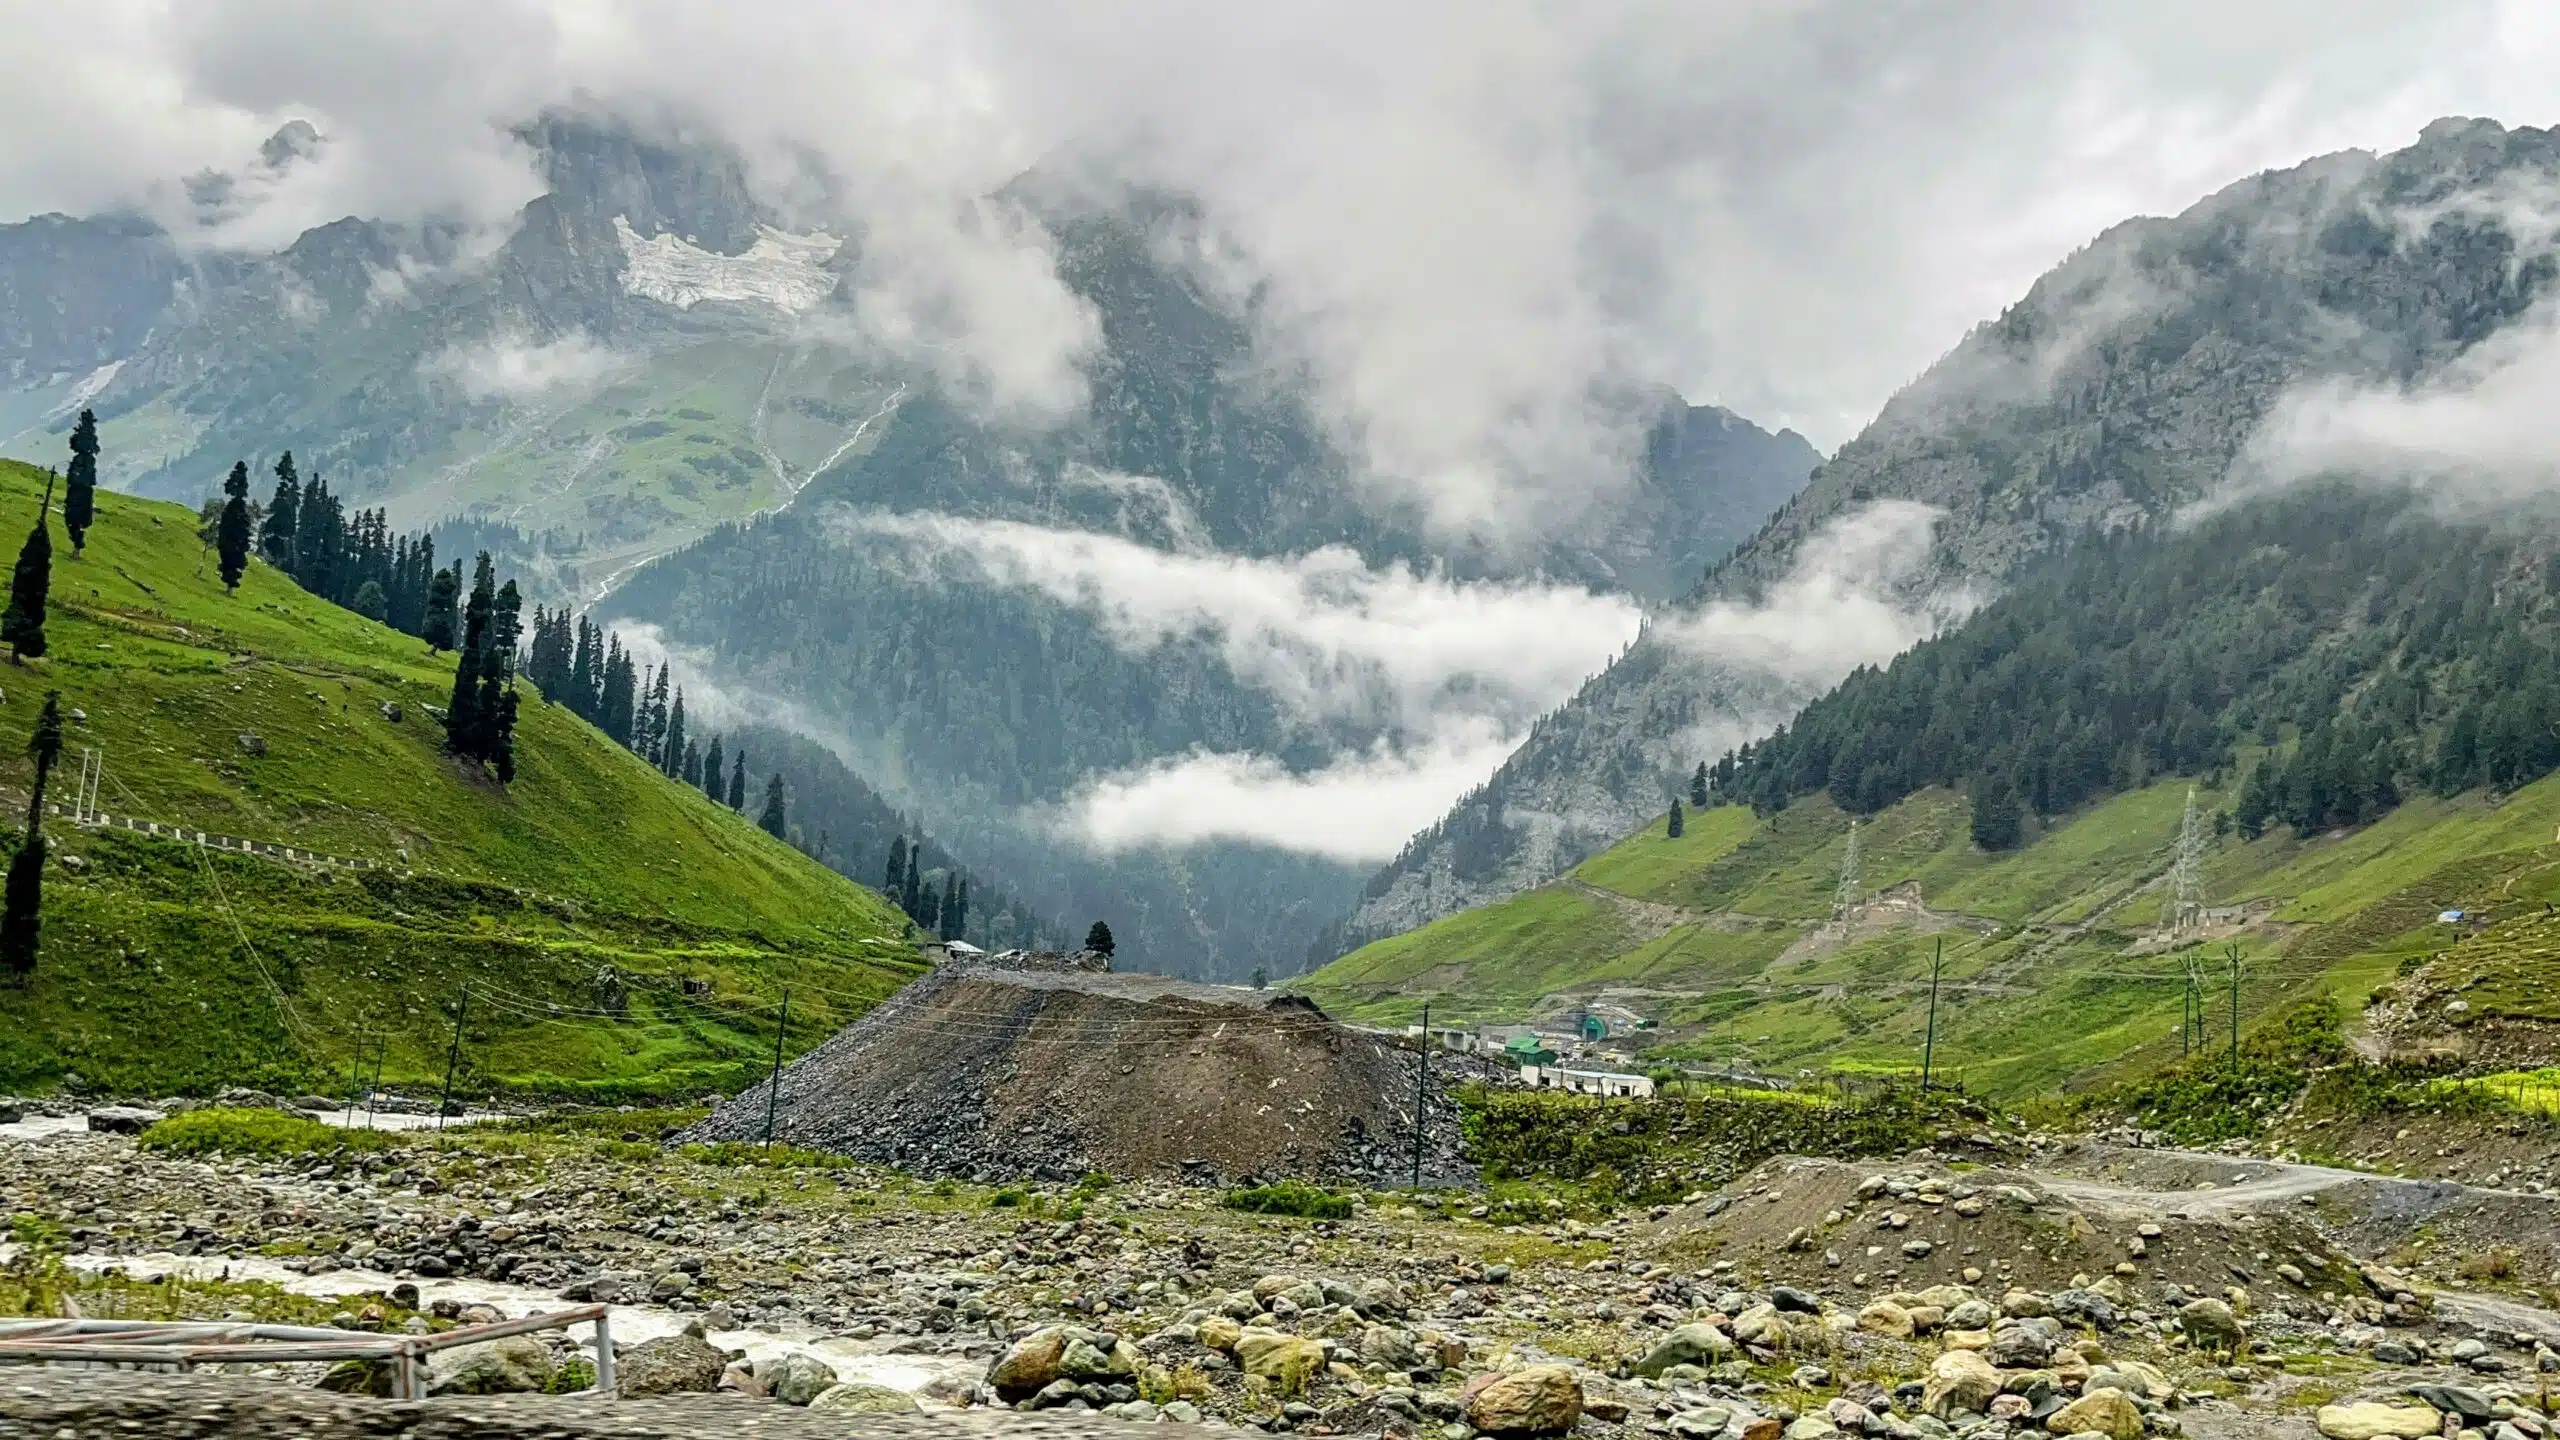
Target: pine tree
80	483
22	900
1997	823
276	532
370	602
1677	825
444	594
1098	939
1698	795
928	915
231	538
692	772
955	909
894	883
465	728
771	819
1261	977
22	625
738	783
711	759
911	895
671	748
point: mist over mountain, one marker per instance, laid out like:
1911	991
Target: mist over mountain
2137	378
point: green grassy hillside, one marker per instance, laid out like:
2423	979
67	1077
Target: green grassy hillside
2055	972
574	902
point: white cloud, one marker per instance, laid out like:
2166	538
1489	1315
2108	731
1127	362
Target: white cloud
1475	222
1843	603
516	367
1358	809
1329	637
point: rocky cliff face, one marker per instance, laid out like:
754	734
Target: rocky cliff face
2123	385
76	295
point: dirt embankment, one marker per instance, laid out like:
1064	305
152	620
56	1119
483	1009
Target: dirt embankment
994	1075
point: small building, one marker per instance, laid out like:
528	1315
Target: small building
1609	1083
1528	1050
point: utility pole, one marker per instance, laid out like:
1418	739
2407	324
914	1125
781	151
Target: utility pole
453	1056
773	1087
2235	1007
355	1082
1421	1083
374	1092
1929	1047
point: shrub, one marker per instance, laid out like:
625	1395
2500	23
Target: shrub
255	1132
1290	1197
1005	1199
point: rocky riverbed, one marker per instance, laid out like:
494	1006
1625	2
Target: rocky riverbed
1788	1306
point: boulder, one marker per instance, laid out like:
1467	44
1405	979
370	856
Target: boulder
670	1365
1789	1298
1275	1356
359	1377
2085	1307
1219	1333
2134	1378
2212	1325
2107	1412
2476	1409
797	1377
1885	1318
1389	1348
1538	1400
2020	1347
1760	1325
1030	1364
857	1398
1958	1380
515	1365
1971	1315
2375	1420
122	1120
1696	1343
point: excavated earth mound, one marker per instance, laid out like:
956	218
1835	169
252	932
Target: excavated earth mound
992	1074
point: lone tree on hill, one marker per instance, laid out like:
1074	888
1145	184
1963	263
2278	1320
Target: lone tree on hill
284	511
1098	939
231	536
1678	826
22	625
80	483
22	900
771	819
738	783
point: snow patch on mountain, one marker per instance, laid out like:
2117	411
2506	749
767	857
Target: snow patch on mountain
781	269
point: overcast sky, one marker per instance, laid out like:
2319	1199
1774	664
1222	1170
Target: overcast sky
1475	211
1475	224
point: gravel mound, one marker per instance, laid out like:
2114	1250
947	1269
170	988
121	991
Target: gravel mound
989	1074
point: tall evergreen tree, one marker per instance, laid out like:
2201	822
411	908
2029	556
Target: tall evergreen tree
284	509
738	782
955	908
671	746
80	482
893	883
691	775
22	900
772	819
231	537
585	671
22	625
1676	826
444	595
1698	795
911	894
1997	823
465	728
1098	939
711	776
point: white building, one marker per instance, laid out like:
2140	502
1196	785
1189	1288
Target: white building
1587	1082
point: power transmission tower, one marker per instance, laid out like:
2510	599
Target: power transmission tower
2186	874
1851	894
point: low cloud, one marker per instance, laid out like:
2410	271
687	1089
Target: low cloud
519	368
1842	605
1329	637
969	290
1358	810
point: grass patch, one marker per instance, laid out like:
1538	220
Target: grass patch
242	1133
1290	1197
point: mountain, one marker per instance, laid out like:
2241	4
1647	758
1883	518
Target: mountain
625	365
651	355
620	934
2121	387
2297	732
983	705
